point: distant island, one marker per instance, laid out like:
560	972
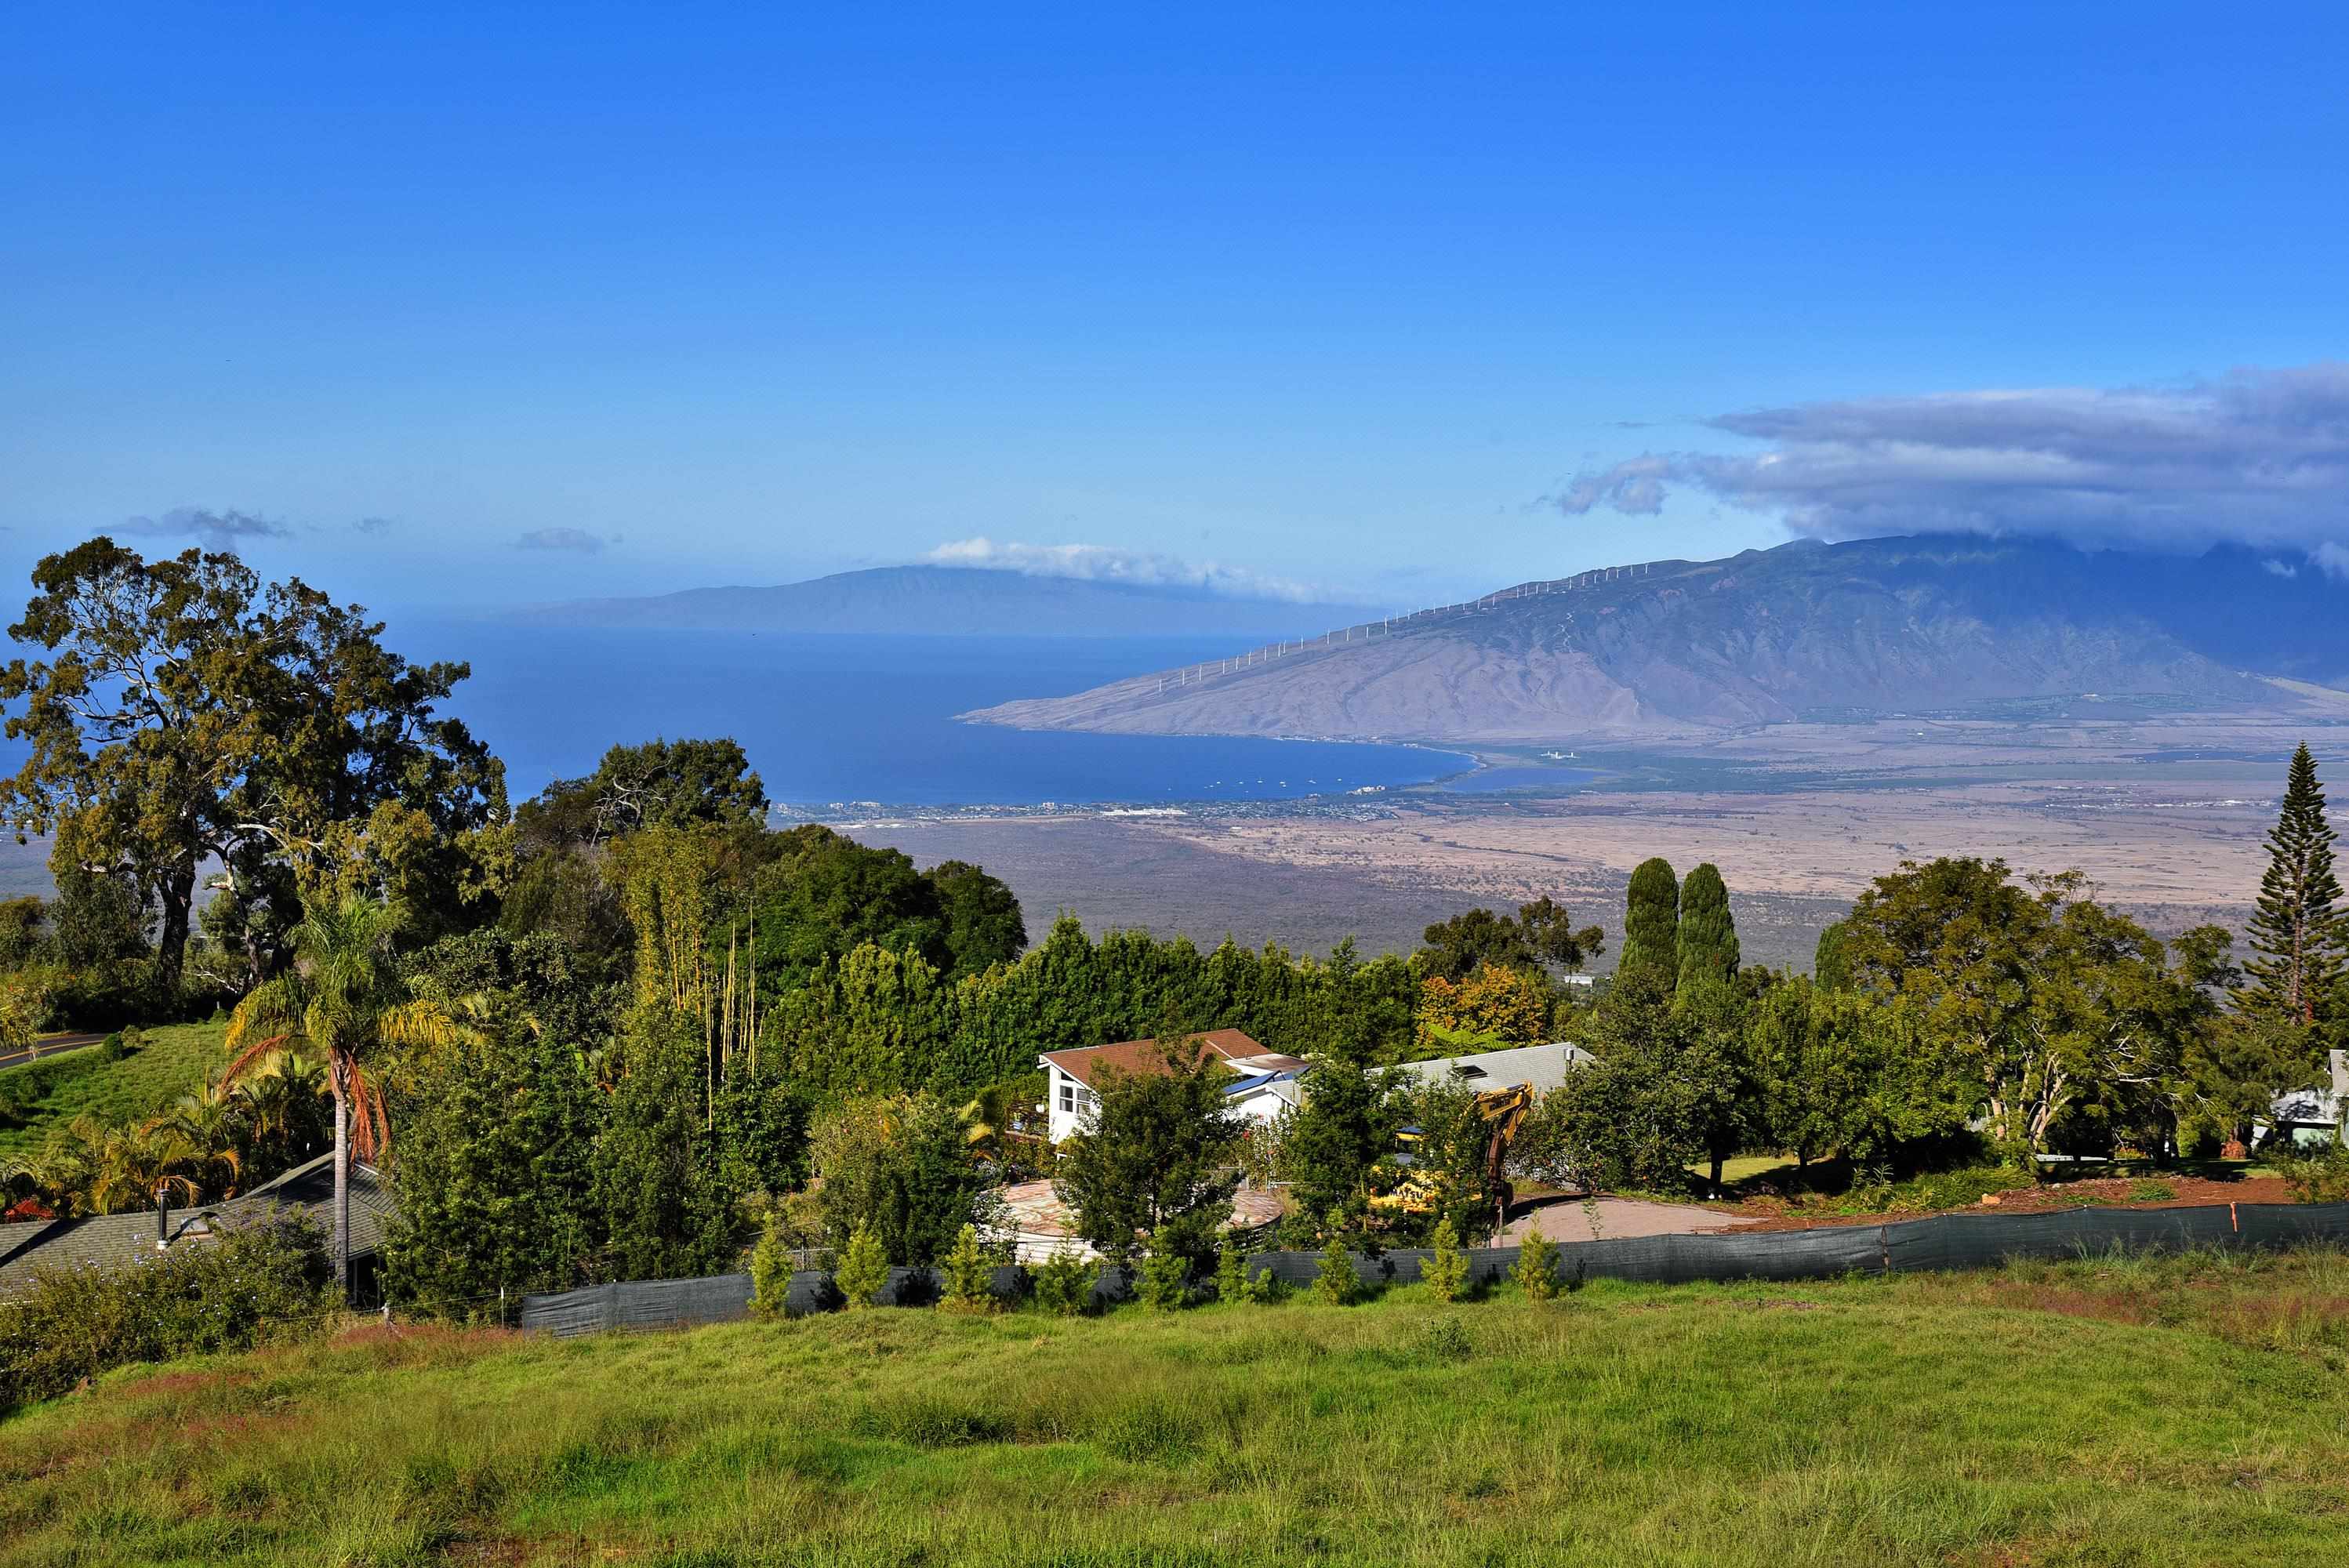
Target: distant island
957	601
2003	631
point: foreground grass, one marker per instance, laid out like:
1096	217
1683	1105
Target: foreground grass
2107	1411
172	1062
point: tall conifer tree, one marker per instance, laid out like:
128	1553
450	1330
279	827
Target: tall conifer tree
2299	933
1708	934
1651	922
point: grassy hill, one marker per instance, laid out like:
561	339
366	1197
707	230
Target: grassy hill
2109	1411
47	1093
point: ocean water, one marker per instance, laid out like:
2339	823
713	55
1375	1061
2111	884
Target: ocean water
837	720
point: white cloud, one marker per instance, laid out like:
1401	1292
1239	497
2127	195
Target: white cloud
2261	458
2331	559
1107	564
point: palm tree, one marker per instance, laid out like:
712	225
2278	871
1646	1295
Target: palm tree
273	1091
343	1002
204	1125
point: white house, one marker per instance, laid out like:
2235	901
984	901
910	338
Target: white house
1263	1083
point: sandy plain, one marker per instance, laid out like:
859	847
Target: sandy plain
2166	819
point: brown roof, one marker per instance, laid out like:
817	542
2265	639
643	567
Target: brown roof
1141	1057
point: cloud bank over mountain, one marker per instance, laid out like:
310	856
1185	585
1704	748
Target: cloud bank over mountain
2258	457
1108	564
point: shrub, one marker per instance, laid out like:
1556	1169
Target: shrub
863	1269
770	1270
2316	1175
1064	1284
2152	1191
1266	1288
1338	1284
1446	1273
268	1282
970	1275
1231	1272
1536	1270
109	1049
1165	1281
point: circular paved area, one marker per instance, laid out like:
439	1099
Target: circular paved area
1605	1219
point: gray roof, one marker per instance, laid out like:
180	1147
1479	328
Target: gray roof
105	1240
1543	1067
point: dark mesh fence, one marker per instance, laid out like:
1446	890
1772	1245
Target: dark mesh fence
1942	1241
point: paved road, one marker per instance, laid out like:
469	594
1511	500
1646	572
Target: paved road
49	1045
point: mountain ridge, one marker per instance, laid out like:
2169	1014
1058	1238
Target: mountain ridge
1804	632
952	601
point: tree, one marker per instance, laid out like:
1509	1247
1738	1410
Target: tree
1830	968
1337	1282
344	1001
2299	933
503	1174
1708	932
863	1269
1833	1073
2054	1005
981	915
1651	920
969	1274
1542	933
1446	1273
1493	1009
899	1169
1153	1162
823	896
98	918
1537	1266
21	934
660	783
770	1270
189	713
1660	1096
1332	1144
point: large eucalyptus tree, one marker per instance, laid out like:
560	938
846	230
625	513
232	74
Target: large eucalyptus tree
188	713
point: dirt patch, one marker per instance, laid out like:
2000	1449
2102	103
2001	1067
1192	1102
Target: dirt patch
2192	1193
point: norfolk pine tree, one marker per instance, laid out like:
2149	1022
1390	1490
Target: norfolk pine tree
2299	933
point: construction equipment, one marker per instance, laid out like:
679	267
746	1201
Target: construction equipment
1503	1111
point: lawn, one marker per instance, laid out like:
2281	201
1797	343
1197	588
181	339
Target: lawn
2116	1412
173	1060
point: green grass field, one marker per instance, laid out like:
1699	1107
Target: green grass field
174	1060
2115	1412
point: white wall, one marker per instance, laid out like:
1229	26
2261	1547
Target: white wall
1066	1102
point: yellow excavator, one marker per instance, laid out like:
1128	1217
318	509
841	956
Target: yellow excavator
1504	1111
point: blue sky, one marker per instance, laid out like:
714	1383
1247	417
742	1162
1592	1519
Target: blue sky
1346	297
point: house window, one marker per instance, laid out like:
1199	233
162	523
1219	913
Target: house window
1067	1095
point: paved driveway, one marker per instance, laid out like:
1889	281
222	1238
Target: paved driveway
1573	1219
